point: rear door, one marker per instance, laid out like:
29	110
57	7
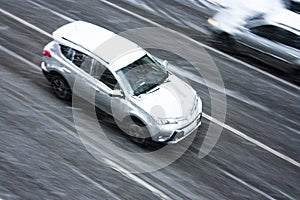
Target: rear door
94	82
100	83
106	83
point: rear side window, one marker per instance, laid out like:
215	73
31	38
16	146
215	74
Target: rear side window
266	31
67	52
73	55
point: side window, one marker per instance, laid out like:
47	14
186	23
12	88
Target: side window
67	52
101	73
87	64
290	39
108	79
78	58
266	31
73	55
278	34
97	70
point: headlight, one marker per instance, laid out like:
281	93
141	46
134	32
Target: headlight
212	22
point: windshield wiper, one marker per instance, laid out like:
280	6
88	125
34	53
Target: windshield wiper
144	88
151	89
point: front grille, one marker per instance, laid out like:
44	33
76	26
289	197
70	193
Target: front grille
178	134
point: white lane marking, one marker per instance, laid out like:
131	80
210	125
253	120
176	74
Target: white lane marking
243	182
25	23
250	139
249	185
137	179
233	130
17	56
52	11
92	181
201	44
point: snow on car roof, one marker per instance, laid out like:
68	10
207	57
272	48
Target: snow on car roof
102	42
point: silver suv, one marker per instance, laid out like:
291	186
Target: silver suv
145	99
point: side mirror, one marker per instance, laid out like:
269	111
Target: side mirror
117	93
165	63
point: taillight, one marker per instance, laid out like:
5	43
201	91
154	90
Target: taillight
47	53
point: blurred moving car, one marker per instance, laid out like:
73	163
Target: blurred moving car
255	5
146	100
273	38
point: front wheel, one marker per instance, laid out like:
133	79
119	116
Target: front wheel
138	134
61	88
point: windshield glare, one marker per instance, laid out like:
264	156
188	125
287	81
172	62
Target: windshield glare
142	75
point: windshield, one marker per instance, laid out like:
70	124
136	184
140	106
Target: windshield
142	75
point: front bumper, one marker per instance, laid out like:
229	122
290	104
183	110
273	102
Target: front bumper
174	135
182	133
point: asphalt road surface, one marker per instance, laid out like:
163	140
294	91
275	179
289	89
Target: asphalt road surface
42	156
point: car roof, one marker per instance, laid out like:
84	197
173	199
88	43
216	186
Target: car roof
286	18
100	41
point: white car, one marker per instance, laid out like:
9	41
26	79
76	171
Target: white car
150	101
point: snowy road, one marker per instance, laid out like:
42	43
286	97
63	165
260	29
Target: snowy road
42	157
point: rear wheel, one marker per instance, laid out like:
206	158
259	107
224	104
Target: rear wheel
61	88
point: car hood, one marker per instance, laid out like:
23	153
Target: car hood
172	99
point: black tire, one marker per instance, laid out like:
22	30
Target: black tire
138	133
61	88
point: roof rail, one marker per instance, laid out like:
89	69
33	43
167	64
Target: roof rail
85	49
